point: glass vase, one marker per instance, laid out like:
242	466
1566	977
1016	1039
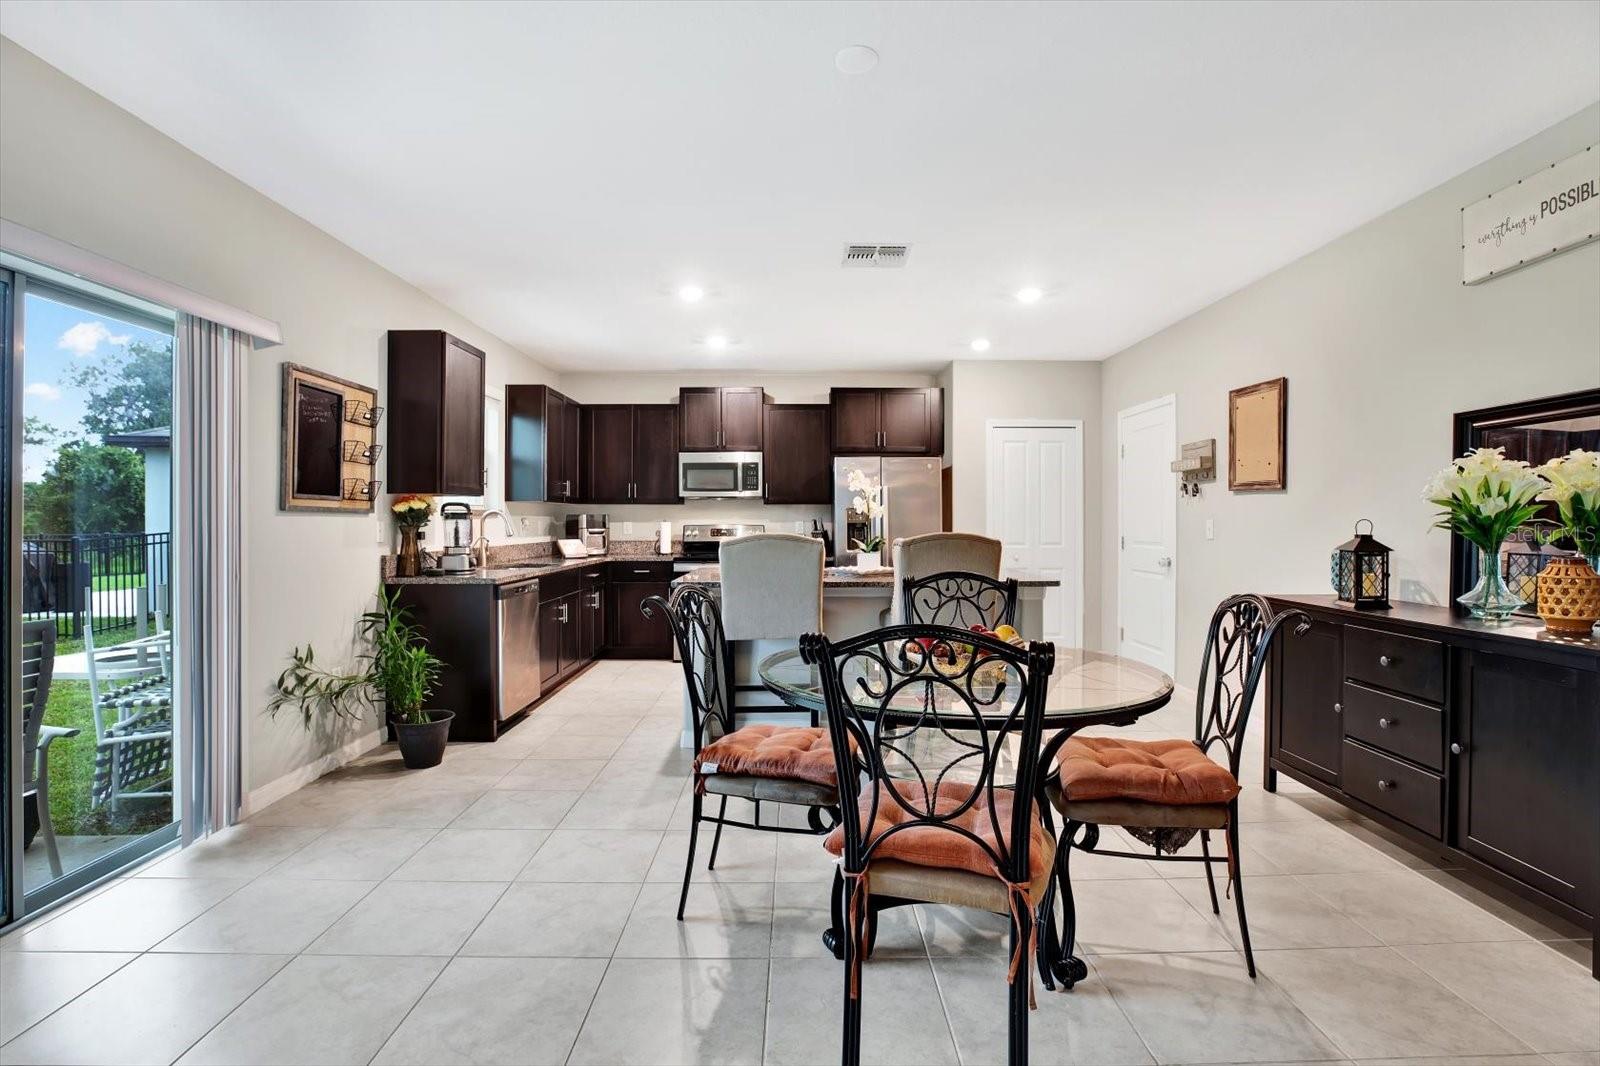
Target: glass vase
1490	599
409	562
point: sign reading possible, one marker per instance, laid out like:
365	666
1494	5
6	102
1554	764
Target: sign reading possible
1542	214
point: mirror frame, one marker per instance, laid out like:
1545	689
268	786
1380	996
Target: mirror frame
1463	561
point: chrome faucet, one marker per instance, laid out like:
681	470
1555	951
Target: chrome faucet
481	545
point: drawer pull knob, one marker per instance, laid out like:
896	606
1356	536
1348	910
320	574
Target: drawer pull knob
1384	786
1385	723
1384	660
1456	749
1338	708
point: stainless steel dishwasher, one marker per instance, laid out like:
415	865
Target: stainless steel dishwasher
517	657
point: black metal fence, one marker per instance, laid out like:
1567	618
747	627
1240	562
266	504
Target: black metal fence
107	577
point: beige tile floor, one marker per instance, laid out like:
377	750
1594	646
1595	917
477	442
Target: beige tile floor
515	904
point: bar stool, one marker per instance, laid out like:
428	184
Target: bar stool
771	593
938	553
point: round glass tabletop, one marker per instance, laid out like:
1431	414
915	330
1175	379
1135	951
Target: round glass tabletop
1087	687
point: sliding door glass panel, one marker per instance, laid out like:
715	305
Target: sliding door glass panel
10	724
96	606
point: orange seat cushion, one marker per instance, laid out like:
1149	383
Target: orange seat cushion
931	845
1174	772
801	753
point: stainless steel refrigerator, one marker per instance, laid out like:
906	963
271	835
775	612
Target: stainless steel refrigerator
912	495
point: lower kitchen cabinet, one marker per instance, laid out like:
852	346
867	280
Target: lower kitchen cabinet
1307	684
560	622
592	637
631	634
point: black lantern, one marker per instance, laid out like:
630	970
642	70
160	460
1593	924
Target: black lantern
1361	570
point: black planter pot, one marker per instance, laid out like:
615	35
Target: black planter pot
422	745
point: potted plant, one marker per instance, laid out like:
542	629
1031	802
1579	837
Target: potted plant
868	501
1486	497
398	671
1569	587
411	514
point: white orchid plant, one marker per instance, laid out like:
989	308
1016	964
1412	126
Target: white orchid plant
867	501
1484	496
1574	487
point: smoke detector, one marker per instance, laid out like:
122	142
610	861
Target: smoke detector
875	255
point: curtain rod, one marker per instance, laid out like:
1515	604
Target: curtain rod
49	251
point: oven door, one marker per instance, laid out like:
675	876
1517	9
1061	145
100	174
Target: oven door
719	475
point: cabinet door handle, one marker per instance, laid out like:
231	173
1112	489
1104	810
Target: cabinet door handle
1338	708
1385	723
1384	786
642	571
1456	749
1384	660
563	615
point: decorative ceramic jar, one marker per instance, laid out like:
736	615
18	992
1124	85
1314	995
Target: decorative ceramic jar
1569	597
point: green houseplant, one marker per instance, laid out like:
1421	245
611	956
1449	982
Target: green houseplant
397	671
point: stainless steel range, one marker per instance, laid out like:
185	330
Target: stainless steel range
701	543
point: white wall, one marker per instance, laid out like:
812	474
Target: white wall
78	168
981	390
663	388
1381	343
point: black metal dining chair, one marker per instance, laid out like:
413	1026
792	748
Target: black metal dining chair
1164	792
760	763
961	599
945	724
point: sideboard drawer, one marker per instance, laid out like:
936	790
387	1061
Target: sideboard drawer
1414	796
1395	724
1412	666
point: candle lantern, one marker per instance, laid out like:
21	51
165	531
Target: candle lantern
1361	570
1522	565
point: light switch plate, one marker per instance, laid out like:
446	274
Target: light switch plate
1211	530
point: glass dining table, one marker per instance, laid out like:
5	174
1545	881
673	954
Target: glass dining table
1087	688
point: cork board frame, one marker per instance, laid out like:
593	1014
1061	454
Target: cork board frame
1258	437
329	450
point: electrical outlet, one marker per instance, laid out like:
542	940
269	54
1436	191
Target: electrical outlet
627	528
382	531
1211	530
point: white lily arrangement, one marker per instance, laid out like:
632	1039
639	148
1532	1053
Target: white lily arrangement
1574	487
868	501
1484	496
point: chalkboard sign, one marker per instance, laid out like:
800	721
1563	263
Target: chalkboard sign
318	416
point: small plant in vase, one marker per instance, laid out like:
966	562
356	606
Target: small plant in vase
1569	588
411	514
1486	497
398	671
867	502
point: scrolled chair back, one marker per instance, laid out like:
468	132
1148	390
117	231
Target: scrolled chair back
695	616
1237	645
961	599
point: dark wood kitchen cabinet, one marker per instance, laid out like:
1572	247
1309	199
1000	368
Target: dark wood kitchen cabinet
1480	742
890	421
630	453
721	419
797	460
592	636
435	414
631	634
543	448
561	622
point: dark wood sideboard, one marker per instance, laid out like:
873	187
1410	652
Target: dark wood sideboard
1480	742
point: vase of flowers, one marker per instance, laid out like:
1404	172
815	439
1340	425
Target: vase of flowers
1569	588
867	501
1485	497
411	514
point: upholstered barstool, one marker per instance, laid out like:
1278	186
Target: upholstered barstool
936	553
771	594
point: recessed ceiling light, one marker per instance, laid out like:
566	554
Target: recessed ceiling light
980	344
1029	295
717	342
855	59
691	294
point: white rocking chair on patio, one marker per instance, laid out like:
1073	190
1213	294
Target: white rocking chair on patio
130	687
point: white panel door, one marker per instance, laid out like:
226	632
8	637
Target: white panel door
1147	519
1036	510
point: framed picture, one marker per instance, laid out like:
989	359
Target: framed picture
1257	436
329	439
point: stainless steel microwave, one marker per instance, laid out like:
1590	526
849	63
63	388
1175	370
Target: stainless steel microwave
719	475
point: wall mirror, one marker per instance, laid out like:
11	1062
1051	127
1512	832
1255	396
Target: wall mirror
1536	431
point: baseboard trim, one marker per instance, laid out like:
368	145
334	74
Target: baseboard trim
273	791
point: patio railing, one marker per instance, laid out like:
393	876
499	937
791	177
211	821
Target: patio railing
107	577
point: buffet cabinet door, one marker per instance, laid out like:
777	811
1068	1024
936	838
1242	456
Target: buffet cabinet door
1527	777
1307	686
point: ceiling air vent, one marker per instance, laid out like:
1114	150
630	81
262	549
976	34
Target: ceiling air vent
875	255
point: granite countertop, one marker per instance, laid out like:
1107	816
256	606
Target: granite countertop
843	577
506	565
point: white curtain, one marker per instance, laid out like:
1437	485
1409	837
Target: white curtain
208	462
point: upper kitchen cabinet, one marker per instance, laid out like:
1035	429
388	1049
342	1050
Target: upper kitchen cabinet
721	419
630	453
798	465
542	445
897	421
435	416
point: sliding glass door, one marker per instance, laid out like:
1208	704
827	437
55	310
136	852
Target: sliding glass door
94	735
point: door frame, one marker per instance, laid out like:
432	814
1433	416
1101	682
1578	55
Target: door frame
12	907
992	498
1170	400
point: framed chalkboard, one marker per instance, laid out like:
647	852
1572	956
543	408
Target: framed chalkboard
329	453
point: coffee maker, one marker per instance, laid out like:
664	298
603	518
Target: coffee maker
457	555
592	530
